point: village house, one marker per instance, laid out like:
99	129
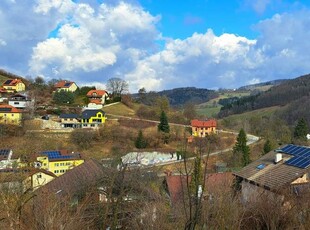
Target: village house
176	186
10	115
58	162
70	121
6	158
24	179
97	98
276	174
20	101
92	118
65	86
3	94
14	85
203	128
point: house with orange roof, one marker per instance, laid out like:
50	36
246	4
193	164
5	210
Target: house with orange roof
14	85
10	115
97	98
65	85
202	128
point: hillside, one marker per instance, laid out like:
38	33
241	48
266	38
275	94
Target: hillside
264	85
292	96
179	96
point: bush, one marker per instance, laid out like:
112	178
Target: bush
63	97
83	137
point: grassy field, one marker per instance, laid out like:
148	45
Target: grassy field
212	107
119	109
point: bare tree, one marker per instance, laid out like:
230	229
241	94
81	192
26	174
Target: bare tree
117	86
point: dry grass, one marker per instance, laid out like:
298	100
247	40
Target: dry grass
119	109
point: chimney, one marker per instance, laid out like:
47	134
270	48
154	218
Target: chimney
278	158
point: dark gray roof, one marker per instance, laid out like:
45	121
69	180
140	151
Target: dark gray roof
88	113
69	115
272	176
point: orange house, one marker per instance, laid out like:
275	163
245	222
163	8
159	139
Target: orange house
202	128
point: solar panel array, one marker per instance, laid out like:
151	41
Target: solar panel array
7	82
56	155
68	84
4	152
301	156
6	109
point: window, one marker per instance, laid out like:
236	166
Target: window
68	163
56	164
16	103
12	114
62	171
99	114
92	125
62	164
39	176
56	171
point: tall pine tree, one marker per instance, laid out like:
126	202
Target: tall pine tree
301	129
242	148
163	125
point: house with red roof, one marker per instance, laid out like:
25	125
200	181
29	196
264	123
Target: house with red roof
65	85
97	98
13	85
202	128
10	115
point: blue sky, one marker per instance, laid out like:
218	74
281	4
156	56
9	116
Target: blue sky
156	44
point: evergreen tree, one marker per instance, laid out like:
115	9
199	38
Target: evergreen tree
267	146
163	126
301	130
63	97
140	143
242	148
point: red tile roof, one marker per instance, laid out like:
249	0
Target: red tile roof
8	109
12	82
63	84
96	93
206	123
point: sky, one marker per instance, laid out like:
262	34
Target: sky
156	44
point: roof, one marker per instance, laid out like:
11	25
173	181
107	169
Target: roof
19	174
56	155
69	115
77	179
215	182
8	109
12	82
265	173
88	113
63	84
205	123
96	93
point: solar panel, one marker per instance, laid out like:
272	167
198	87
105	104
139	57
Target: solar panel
67	84
301	156
7	82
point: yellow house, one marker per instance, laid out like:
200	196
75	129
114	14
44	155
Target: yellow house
92	118
58	162
10	115
65	86
14	85
203	128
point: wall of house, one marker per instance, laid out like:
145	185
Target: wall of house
252	193
11	118
20	104
20	87
73	87
94	106
39	179
301	180
99	118
62	166
202	132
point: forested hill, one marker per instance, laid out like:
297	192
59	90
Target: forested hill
268	83
4	75
290	92
180	96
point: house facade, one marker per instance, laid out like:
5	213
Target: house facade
10	115
92	118
70	121
20	101
276	174
97	98
58	162
203	128
66	86
14	85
